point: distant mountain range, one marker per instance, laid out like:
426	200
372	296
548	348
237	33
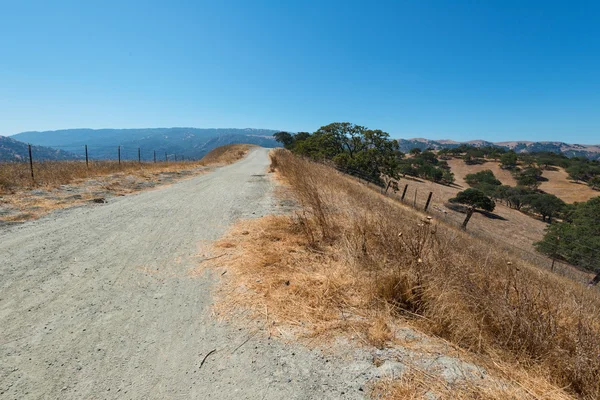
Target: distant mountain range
570	150
191	143
195	143
14	151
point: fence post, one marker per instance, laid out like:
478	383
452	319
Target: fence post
155	156
139	155
415	200
87	164
428	200
119	151
31	163
404	191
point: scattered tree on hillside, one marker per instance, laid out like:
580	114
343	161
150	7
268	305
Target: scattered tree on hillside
529	177
547	205
577	239
473	199
594	183
484	181
415	151
509	160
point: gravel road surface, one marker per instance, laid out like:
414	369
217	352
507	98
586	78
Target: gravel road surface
98	302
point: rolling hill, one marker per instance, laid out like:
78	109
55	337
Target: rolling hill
187	142
570	150
12	150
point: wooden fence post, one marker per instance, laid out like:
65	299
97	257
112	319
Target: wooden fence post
87	164
155	156
415	200
428	200
139	155
119	151
31	163
404	191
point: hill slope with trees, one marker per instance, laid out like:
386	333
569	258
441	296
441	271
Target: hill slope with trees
12	150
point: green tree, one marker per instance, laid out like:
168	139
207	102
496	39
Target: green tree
485	176
473	199
547	205
415	151
285	138
594	183
529	177
577	240
509	160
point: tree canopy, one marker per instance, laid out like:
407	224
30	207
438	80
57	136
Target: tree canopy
474	199
576	239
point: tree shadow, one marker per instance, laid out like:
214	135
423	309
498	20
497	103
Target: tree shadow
412	178
463	210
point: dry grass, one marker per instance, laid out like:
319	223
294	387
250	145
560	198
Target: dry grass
353	261
558	182
22	198
15	176
419	385
461	170
568	190
227	154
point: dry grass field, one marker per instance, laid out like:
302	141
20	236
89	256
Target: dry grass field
558	182
62	184
568	190
460	170
352	261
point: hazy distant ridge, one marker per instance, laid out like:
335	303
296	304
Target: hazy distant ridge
571	150
188	142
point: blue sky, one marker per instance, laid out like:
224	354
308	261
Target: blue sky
495	70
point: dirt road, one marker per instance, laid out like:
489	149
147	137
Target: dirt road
98	302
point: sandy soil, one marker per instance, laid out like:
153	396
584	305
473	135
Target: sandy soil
100	301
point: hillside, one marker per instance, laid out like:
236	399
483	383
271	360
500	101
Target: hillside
354	264
14	150
556	181
188	142
570	150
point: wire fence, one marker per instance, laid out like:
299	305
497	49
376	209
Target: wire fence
125	155
410	194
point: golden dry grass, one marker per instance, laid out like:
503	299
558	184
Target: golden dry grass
568	190
461	170
227	154
417	384
17	195
353	261
558	182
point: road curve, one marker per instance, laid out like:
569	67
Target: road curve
98	302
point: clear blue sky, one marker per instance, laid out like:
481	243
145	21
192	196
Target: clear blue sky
495	70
